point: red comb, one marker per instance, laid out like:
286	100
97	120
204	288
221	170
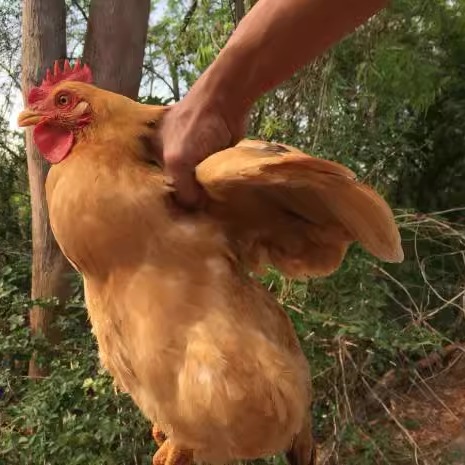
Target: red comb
78	72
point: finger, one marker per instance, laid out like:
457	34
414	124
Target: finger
187	191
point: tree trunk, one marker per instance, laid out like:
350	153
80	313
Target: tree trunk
44	40
239	8
115	44
250	4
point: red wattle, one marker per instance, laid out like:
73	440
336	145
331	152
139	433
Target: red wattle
53	142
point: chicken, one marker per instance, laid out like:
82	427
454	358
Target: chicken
206	352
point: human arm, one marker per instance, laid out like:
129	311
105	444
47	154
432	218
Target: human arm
271	43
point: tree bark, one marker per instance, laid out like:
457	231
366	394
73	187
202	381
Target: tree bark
43	41
115	44
250	4
239	9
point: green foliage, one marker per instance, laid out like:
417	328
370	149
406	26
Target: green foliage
75	415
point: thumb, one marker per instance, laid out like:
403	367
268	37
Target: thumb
187	191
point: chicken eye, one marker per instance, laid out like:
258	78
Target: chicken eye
62	100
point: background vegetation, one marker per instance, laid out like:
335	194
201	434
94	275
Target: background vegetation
389	102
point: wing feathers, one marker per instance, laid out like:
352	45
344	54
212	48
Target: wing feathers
301	211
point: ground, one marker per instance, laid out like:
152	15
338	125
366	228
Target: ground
433	413
414	417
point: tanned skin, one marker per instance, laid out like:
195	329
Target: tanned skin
270	44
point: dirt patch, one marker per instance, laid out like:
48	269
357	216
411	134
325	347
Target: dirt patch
433	412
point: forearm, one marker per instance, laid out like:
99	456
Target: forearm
274	40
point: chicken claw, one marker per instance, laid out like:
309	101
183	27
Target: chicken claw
169	454
158	435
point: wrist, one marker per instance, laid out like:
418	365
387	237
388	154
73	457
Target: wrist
226	90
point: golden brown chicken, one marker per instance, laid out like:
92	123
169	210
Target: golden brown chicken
203	349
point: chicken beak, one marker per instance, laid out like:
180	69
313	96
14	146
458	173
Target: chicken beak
29	118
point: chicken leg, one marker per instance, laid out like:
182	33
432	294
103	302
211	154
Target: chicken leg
168	453
303	448
158	435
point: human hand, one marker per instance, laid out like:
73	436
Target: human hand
192	130
260	54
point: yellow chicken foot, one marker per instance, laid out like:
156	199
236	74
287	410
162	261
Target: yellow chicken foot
169	454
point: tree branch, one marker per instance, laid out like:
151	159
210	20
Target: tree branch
231	11
188	17
150	69
81	9
12	153
15	80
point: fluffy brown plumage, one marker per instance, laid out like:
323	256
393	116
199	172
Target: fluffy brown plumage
203	349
